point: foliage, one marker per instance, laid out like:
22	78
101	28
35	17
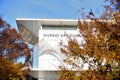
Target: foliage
67	75
100	50
12	48
9	70
115	3
112	9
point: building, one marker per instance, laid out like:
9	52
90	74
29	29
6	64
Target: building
46	34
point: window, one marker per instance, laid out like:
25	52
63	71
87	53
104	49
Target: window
47	27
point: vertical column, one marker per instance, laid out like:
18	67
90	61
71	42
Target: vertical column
40	59
41	75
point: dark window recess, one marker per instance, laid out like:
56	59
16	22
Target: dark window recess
47	27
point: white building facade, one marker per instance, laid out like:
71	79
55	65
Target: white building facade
46	35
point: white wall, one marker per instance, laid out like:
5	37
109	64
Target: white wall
49	54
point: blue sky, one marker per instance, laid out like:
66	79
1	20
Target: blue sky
71	9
